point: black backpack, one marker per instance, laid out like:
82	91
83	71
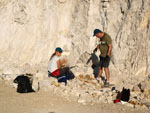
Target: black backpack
24	85
125	95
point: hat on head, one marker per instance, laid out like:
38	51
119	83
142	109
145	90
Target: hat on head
59	49
96	31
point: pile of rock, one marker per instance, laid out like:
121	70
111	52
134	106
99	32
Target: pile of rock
84	89
141	92
87	90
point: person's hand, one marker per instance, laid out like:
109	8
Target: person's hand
107	57
94	50
64	61
98	46
108	54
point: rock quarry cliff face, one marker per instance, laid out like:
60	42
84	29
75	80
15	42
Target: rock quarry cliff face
30	30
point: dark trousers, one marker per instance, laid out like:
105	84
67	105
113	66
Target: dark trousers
63	72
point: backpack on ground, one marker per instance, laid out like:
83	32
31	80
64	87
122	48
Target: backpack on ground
125	95
24	85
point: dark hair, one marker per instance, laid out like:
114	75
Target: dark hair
52	55
58	49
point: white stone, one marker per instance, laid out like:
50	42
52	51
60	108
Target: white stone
7	71
77	94
36	85
109	100
15	85
129	105
7	77
110	93
82	101
62	1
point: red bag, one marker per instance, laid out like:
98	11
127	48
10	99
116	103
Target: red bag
117	100
55	73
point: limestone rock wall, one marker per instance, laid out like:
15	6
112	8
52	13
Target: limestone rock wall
31	29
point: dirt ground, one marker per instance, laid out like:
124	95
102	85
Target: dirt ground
48	102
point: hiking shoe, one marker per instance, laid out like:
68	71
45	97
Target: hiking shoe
106	84
98	80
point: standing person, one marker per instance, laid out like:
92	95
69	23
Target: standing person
105	47
55	64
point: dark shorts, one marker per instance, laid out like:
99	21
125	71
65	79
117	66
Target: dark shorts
104	61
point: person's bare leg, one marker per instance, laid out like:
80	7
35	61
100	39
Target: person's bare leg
107	74
100	71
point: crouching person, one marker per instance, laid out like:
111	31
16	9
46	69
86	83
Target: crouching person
56	66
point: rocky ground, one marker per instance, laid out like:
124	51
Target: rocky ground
81	95
49	102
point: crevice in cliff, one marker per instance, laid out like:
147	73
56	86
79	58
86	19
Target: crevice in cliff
129	4
104	6
142	6
19	12
121	9
124	18
148	25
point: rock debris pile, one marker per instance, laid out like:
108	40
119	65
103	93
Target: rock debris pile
85	89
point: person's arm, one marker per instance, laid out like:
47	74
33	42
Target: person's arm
60	63
109	43
98	46
109	49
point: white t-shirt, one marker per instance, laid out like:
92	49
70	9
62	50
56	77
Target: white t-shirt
52	66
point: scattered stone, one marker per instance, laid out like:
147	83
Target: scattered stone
15	85
7	71
62	1
85	89
147	104
7	77
140	106
130	105
36	84
136	88
109	100
55	83
82	101
110	93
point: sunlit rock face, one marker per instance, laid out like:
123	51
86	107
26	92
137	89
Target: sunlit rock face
30	30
